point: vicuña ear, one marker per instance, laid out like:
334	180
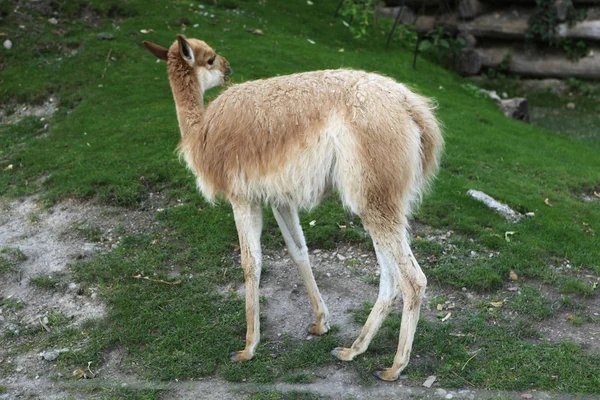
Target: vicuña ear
159	51
185	50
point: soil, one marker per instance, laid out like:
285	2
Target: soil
52	238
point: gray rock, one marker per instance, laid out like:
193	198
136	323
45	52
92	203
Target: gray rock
8	44
517	108
53	21
105	36
50	355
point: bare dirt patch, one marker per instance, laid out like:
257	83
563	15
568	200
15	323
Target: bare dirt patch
48	240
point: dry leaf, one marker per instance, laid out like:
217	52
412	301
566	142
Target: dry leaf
597	194
256	32
312	223
547	202
440	307
497	304
513	275
144	31
10	166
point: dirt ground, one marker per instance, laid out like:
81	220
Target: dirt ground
52	238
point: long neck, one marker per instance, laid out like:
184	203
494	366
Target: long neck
189	100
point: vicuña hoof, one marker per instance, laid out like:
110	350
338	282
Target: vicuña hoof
343	353
387	375
241	356
318	329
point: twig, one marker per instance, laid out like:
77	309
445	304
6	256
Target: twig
44	325
474	354
107	62
139	276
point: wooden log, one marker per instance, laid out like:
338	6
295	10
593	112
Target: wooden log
514	25
533	2
469	9
412	3
534	64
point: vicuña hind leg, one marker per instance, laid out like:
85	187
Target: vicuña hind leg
248	220
398	269
288	221
388	291
412	283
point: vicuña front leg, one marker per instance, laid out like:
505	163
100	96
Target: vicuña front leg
288	221
248	220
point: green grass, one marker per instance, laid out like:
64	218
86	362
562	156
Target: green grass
45	282
10	258
531	304
113	140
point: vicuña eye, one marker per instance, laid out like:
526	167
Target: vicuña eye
212	60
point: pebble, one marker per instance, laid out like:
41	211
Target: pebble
571	106
440	392
73	287
53	21
50	355
7	44
449	396
341	257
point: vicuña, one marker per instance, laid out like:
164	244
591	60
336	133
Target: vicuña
287	141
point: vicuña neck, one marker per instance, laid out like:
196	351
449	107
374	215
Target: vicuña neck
189	99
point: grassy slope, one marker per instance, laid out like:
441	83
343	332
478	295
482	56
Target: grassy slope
114	137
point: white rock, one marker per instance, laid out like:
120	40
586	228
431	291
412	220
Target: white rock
53	21
7	44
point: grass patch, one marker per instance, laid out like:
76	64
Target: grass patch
575	286
471	350
10	258
44	282
531	303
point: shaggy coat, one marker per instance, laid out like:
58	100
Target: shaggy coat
287	141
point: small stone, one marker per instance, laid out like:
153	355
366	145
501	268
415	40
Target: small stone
429	381
571	106
341	257
50	355
73	287
19	369
317	251
8	44
105	36
440	392
53	21
449	396
473	253
530	214
328	275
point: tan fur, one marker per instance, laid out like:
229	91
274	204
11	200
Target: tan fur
288	140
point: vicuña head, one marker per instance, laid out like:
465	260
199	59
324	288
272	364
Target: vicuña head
288	140
193	57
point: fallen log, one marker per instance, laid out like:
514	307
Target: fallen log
515	24
542	65
533	2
